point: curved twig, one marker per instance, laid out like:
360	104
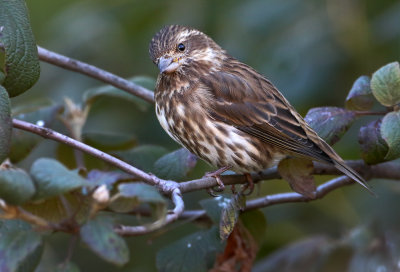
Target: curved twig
171	217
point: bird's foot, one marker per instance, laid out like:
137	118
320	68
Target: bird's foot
248	188
217	175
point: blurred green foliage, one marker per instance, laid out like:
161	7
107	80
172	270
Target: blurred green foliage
312	50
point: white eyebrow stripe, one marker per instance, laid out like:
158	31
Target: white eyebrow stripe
186	33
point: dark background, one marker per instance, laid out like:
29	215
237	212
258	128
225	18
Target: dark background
311	50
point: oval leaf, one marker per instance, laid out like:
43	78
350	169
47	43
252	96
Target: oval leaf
390	132
5	124
373	146
193	253
297	172
330	123
360	96
98	234
21	57
19	245
385	84
52	178
175	165
16	186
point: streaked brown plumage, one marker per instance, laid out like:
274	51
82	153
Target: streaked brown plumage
224	111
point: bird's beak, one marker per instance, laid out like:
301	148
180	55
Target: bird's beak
168	65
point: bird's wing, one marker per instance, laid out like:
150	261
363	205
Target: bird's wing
252	104
246	100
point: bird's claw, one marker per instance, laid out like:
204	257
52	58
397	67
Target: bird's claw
217	175
248	188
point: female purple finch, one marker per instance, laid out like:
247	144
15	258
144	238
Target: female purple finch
225	112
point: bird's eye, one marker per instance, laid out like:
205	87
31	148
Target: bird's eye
181	47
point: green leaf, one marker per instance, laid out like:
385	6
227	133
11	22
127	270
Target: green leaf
133	194
108	141
256	223
373	147
41	113
193	253
214	207
330	123
5	124
142	157
360	96
52	178
175	165
385	84
298	172
98	234
19	246
91	95
230	215
390	132
16	186
21	57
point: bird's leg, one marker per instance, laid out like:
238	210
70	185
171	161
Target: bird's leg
217	175
249	185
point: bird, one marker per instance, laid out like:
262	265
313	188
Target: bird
227	113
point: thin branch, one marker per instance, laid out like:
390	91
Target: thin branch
171	217
292	197
369	113
282	198
165	186
94	72
387	170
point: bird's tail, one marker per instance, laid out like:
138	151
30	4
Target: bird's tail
351	173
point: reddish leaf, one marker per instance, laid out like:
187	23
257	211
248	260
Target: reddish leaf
360	96
240	251
298	173
373	146
330	122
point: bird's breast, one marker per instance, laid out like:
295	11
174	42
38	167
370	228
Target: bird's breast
217	143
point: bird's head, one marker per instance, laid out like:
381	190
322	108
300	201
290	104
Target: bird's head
175	49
